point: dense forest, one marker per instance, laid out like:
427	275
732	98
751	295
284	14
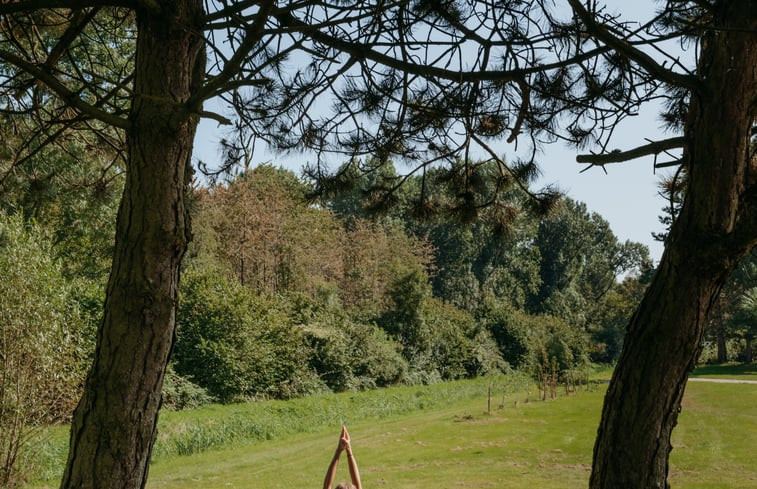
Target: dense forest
288	290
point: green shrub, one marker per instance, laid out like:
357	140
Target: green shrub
524	340
458	347
566	345
41	365
181	393
510	331
353	356
236	344
439	341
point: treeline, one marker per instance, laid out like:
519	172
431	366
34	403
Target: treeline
287	292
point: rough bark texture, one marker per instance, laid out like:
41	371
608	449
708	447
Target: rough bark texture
113	429
716	226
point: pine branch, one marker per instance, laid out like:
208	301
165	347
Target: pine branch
652	148
361	51
625	48
32	5
253	35
62	91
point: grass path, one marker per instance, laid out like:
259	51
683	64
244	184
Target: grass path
438	437
536	444
723	381
458	446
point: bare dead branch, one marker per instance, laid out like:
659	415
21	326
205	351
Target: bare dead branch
653	148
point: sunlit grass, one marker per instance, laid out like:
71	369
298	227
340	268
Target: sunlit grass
730	370
523	445
458	445
442	437
716	438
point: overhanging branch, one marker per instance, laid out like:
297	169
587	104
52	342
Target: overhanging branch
362	51
79	21
62	91
652	148
253	35
625	48
32	5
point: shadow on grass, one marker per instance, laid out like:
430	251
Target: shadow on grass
727	370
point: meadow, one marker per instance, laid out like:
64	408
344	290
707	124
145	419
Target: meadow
443	436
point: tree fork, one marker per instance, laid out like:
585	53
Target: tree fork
715	228
114	425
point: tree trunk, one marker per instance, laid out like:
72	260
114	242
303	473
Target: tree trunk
748	354
716	227
718	324
114	425
722	345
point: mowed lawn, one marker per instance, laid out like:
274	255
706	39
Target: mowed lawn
519	445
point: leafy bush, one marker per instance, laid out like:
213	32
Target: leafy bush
439	341
353	356
236	344
41	363
526	340
566	345
510	330
181	393
459	347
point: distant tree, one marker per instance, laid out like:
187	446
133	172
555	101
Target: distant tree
580	261
744	321
353	193
728	322
261	228
476	251
377	255
476	259
260	225
609	317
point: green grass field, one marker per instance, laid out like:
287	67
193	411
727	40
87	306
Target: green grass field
442	437
731	371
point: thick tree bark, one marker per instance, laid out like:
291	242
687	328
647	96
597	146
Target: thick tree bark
716	226
114	426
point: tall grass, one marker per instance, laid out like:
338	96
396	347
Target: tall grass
220	426
186	433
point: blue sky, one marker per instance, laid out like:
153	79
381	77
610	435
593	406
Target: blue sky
626	196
